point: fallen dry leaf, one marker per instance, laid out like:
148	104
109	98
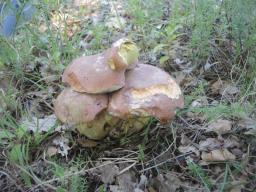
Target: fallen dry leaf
216	143
185	140
195	116
39	125
126	181
236	189
107	171
231	142
218	155
186	149
216	86
220	126
249	124
224	88
229	89
209	144
165	183
200	102
51	151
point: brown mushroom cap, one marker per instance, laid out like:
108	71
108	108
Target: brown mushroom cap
148	91
103	72
73	107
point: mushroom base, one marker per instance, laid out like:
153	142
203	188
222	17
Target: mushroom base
129	126
99	127
107	125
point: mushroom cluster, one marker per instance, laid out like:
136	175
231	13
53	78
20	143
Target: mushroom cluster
111	93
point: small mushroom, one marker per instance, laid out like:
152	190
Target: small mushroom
148	92
73	107
104	72
85	112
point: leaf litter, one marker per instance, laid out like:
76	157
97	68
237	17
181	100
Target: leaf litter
39	125
217	155
220	126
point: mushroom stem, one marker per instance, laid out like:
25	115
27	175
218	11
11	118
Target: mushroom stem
129	126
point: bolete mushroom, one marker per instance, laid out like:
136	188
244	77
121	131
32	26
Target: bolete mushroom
104	72
148	92
85	112
136	92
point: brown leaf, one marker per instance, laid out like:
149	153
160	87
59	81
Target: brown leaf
220	126
39	125
185	140
249	124
51	151
87	142
166	183
217	155
229	89
200	102
213	143
236	189
216	86
224	88
186	149
107	171
127	180
209	144
231	142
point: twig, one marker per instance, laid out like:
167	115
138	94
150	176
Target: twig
169	160
127	168
12	180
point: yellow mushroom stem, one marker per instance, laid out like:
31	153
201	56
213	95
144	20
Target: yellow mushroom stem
105	124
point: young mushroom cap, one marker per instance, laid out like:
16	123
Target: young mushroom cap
73	107
104	72
85	112
124	54
148	91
